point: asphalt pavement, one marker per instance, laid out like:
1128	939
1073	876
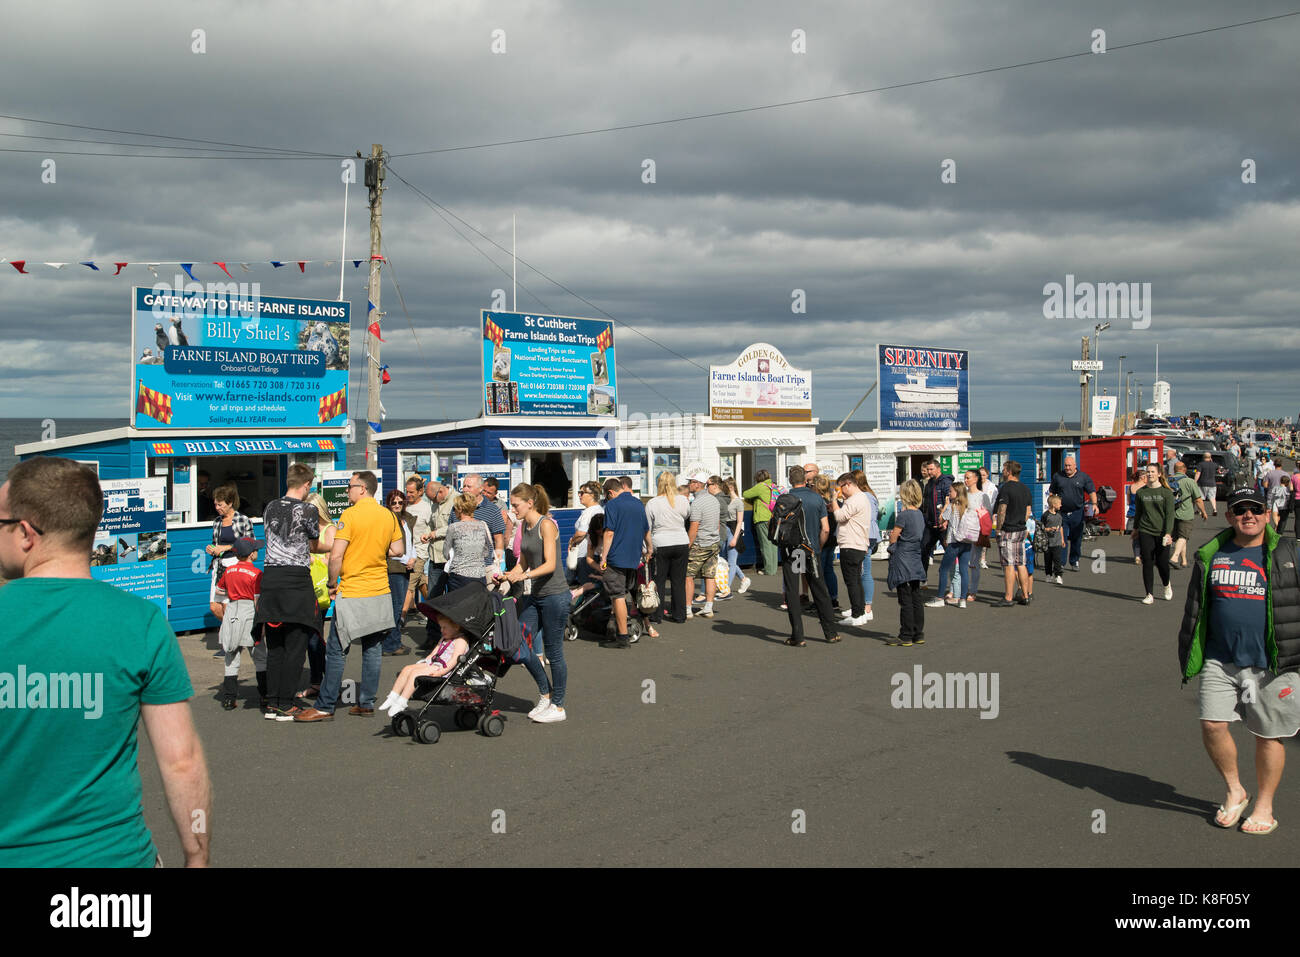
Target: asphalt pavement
717	744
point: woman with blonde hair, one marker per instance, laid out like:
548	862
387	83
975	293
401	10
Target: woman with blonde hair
544	603
960	533
668	513
906	570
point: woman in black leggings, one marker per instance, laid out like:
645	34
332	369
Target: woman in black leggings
1154	525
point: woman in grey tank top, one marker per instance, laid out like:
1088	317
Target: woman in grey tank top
544	596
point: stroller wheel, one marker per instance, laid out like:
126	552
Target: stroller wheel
428	732
466	719
492	725
570	632
403	725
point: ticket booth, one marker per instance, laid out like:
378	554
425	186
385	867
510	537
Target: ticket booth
1040	455
193	464
559	453
1114	461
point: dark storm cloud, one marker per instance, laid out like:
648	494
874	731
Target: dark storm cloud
1123	167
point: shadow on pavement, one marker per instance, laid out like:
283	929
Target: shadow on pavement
1123	786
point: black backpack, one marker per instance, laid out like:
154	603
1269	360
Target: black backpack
786	526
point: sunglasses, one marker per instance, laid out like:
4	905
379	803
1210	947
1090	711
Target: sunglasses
15	521
1248	508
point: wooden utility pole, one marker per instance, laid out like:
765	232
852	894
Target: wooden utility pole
374	381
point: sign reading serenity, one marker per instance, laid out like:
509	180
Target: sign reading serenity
922	389
760	386
233	360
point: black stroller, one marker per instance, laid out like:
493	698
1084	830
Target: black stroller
1093	525
593	613
495	639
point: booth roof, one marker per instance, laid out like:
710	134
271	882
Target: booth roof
163	435
596	422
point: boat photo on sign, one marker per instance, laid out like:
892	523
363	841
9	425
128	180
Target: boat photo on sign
923	389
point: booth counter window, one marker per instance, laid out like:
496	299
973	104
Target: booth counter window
439	464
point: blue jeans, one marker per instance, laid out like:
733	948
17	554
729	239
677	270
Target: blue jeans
335	656
868	583
397	586
553	611
733	563
957	553
828	572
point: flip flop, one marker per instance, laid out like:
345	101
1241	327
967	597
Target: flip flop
1234	813
796	644
1269	830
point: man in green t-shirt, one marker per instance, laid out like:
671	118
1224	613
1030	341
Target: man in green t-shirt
1187	501
81	662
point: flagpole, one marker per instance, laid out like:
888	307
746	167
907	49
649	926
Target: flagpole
343	261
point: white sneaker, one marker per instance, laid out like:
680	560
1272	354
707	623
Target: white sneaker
847	613
543	703
1169	593
744	586
1148	600
551	715
962	603
935	603
1059	580
689	612
859	621
983	563
867	616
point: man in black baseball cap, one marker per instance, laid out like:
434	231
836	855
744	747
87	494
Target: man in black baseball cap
1241	633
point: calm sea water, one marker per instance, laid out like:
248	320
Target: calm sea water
21	431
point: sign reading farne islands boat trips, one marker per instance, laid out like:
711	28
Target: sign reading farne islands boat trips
923	389
548	365
215	359
760	386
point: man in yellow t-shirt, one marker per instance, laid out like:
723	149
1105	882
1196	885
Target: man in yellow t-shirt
358	581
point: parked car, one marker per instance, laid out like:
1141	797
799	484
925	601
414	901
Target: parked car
1229	471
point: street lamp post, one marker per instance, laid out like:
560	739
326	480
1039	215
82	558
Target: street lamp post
1119	387
1099	328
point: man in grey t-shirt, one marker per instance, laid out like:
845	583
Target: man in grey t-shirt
703	535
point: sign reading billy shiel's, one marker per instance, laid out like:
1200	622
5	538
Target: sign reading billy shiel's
922	389
547	365
215	360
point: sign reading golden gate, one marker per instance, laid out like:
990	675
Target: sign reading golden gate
760	386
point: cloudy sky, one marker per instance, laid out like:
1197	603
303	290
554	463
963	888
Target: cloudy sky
1122	167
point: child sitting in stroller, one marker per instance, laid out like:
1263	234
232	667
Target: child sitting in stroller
440	662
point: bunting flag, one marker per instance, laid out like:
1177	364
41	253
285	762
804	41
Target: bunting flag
384	377
224	265
156	405
370	307
373	329
603	341
356	264
376	426
494	332
336	403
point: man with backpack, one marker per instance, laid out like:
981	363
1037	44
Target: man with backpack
799	528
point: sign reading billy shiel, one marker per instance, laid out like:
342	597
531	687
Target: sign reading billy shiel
922	389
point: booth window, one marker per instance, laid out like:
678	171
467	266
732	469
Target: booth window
996	461
435	464
665	460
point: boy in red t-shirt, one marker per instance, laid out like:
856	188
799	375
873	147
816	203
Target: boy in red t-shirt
243	583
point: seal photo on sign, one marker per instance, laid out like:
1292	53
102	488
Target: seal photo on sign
501	364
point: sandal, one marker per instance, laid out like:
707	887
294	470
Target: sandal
900	642
834	638
796	644
652	633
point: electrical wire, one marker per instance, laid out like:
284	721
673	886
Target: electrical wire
836	96
163	136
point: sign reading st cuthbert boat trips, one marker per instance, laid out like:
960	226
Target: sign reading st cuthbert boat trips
923	389
760	386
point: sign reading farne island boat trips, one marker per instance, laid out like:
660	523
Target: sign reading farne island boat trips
922	389
760	386
235	358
